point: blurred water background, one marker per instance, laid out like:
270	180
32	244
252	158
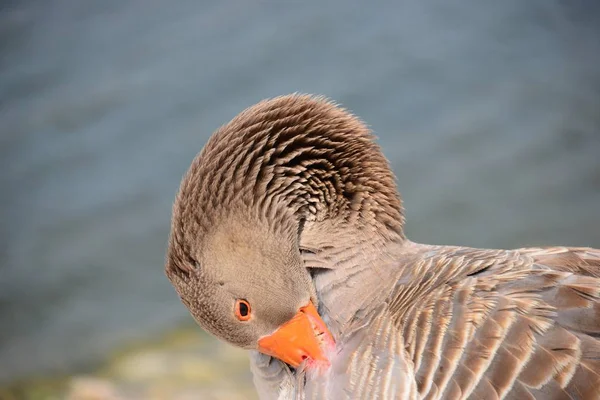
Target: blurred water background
489	112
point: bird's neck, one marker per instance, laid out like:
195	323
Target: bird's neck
350	267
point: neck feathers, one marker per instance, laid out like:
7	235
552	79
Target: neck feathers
297	156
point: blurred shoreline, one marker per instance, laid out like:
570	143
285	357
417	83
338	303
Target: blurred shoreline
179	365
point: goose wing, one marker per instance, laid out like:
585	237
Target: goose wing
521	324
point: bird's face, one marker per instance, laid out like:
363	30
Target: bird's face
250	288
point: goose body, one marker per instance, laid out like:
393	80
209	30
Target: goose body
290	215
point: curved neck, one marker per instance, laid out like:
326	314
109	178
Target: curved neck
303	154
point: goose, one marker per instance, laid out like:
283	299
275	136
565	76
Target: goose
287	240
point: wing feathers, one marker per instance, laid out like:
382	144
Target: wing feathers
432	353
525	327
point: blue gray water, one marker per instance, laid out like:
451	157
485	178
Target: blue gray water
488	110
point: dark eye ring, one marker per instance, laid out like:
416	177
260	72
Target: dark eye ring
242	310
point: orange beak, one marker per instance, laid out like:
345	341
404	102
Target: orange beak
299	339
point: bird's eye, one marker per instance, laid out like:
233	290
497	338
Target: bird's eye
242	310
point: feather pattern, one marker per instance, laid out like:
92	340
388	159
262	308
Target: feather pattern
494	324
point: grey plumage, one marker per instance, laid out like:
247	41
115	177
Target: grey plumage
293	201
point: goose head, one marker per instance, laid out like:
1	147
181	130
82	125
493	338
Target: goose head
286	177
